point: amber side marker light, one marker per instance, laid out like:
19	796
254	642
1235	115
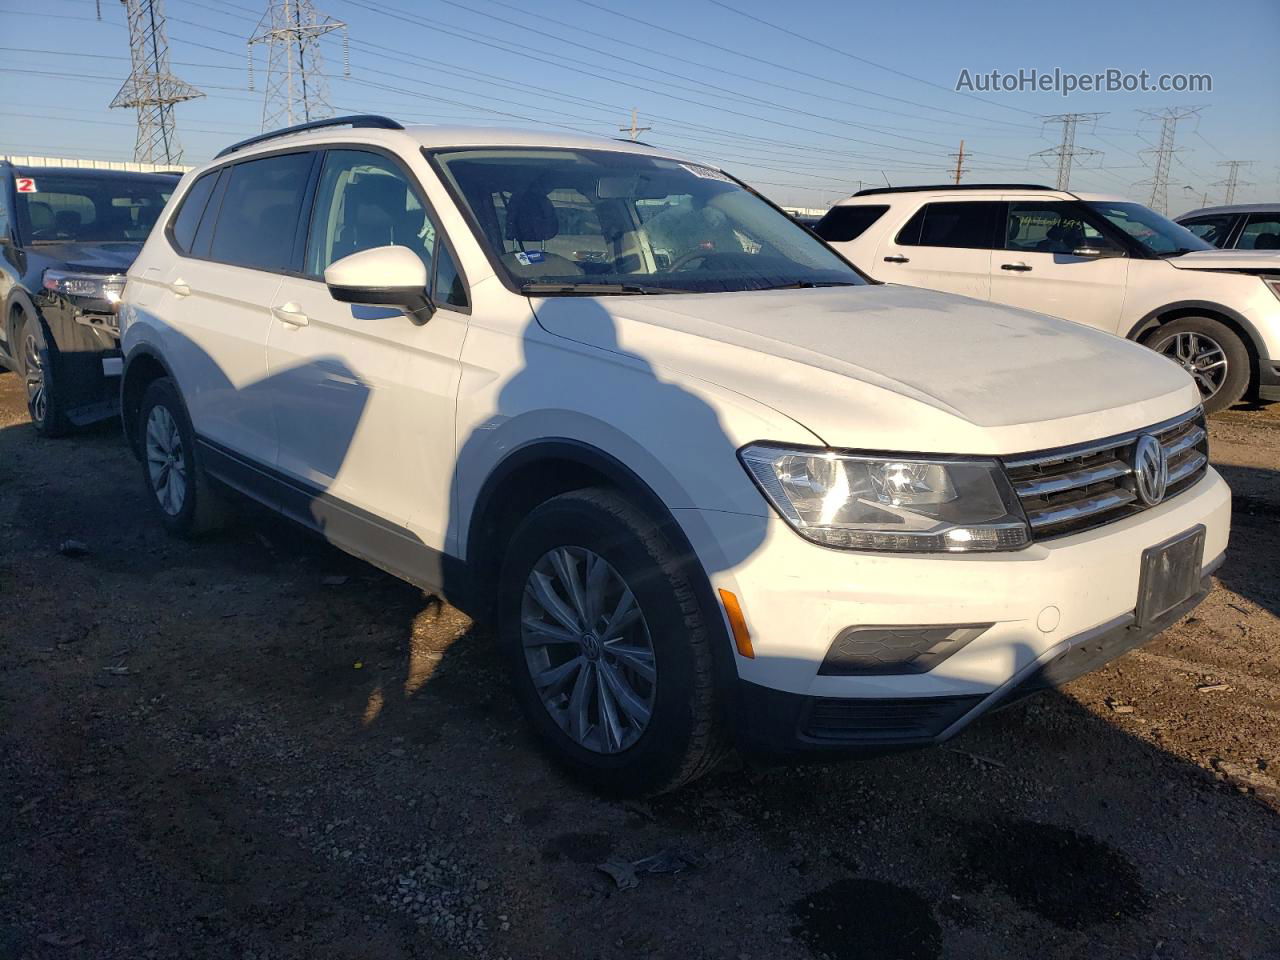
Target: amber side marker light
737	623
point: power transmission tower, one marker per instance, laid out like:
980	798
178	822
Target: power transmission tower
1232	179
1159	181
296	90
151	89
959	158
1067	151
634	130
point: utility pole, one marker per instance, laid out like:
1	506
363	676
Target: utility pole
1159	181
296	90
1232	179
151	89
635	129
1066	151
960	170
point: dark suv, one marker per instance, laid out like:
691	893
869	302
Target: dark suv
67	236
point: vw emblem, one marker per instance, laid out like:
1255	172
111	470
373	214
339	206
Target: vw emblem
1150	469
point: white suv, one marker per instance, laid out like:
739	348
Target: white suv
713	486
1097	260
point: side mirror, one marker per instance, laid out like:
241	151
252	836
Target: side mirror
1097	251
390	276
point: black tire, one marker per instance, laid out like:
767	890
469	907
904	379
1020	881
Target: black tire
201	509
1239	366
35	359
683	739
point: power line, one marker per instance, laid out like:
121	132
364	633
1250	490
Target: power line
1066	151
151	89
1232	179
295	90
1164	153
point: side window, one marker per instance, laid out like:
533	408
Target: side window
364	201
844	223
1212	229
188	217
1047	228
1261	232
448	287
258	218
966	224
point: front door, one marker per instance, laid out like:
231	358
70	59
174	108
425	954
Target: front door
1057	261
363	397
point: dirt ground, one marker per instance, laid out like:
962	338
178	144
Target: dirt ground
255	747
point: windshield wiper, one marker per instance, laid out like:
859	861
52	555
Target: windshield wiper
808	285
1174	253
540	288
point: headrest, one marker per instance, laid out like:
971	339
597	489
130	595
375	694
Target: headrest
1267	241
531	217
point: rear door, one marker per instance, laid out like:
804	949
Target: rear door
1044	265
364	398
946	245
1261	232
216	298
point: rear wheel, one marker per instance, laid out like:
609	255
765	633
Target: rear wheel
1212	353
181	493
608	645
44	402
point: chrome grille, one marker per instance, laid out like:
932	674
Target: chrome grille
1077	488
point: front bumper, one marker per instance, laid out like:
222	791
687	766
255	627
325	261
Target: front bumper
1055	609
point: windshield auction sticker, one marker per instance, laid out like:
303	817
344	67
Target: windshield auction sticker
706	173
25	184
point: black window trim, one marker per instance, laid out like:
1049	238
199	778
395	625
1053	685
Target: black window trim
500	271
317	152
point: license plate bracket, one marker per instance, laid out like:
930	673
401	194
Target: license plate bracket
1170	574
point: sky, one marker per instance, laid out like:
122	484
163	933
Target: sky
807	101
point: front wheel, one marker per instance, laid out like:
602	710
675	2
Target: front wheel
1212	353
44	400
608	645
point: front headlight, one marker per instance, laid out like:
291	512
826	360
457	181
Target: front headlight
87	286
901	504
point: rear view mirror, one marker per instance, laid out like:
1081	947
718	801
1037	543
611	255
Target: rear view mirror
391	276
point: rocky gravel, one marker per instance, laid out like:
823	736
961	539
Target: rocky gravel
257	748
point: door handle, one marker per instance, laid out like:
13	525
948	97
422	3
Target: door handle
1016	267
897	259
291	314
180	288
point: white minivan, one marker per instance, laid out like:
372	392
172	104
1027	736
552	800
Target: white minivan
1098	260
713	486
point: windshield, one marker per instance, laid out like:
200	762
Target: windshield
1161	236
63	207
595	221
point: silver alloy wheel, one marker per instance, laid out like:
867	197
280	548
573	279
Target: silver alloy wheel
588	649
166	460
37	395
1202	357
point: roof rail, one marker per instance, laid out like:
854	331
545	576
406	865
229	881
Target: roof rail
356	121
871	191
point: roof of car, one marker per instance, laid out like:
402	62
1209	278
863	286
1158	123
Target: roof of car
976	191
28	169
1232	208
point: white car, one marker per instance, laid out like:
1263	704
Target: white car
1098	260
713	486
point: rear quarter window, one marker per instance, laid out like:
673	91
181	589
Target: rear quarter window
188	217
845	223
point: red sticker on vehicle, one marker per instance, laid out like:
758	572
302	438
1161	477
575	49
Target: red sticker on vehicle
25	184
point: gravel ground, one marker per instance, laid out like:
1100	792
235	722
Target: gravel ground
256	747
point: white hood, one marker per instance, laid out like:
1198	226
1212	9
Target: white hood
1228	260
893	368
